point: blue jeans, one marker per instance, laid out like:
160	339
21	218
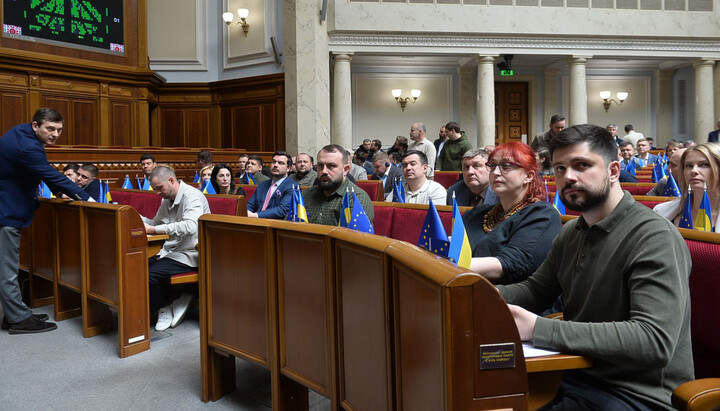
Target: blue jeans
10	297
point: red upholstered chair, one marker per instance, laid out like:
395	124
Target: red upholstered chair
446	178
408	219
145	202
249	190
120	196
226	204
374	189
382	223
638	189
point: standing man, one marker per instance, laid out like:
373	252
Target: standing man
418	189
22	165
272	197
439	142
631	136
421	143
557	124
304	174
148	164
713	135
323	201
385	172
450	158
177	216
622	271
612	128
474	188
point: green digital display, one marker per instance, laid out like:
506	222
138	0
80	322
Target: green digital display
507	73
95	24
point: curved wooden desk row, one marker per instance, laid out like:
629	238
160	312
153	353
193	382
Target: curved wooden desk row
370	322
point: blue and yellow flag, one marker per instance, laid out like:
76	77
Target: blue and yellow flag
145	185
345	211
630	167
433	236
703	222
102	197
297	212
108	197
196	179
44	191
547	192
127	184
558	204
460	251
686	216
139	184
250	179
359	221
398	191
671	188
208	188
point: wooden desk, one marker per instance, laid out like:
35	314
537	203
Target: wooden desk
544	374
155	243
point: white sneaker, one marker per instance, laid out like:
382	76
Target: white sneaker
165	318
179	308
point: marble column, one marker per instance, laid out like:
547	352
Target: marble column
307	78
468	120
485	101
716	89
578	90
342	101
704	111
550	102
664	105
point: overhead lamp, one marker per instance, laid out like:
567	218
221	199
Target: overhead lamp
414	94
243	14
605	96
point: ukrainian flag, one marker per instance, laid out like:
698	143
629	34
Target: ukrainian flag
108	197
686	216
146	185
196	179
44	190
208	189
460	251
433	236
127	184
558	204
137	180
250	179
703	222
346	211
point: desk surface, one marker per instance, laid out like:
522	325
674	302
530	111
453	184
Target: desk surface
557	362
155	243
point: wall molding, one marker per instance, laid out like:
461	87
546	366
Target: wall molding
199	63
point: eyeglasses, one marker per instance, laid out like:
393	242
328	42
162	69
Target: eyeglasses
504	167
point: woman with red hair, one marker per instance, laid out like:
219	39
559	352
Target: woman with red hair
510	240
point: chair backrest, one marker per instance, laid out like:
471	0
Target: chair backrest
382	223
446	178
373	188
408	220
249	191
146	203
226	204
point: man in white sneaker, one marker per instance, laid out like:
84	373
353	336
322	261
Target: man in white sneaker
177	216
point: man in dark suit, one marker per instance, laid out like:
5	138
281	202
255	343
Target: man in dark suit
22	165
87	179
474	188
713	136
385	171
273	197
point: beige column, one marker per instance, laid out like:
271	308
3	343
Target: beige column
485	101
342	101
307	78
468	113
578	90
550	102
716	90
704	111
664	104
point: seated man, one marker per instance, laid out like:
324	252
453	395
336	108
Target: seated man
627	153
474	188
323	201
272	197
70	171
86	179
304	174
148	164
643	153
674	167
255	166
418	189
386	172
242	163
177	216
357	171
622	271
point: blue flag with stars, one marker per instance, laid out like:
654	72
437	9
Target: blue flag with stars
671	188
433	236
630	167
658	172
359	221
398	191
137	180
686	216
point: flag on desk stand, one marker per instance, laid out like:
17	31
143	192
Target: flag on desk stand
108	197
250	179
137	180
102	198
357	220
630	167
460	251
686	216
671	187
44	191
127	185
208	187
398	191
547	192
703	222
345	211
146	185
558	204
297	212
196	179
658	172
433	236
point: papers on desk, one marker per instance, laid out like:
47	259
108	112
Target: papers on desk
530	352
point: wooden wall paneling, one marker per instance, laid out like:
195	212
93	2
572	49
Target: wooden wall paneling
198	127
61	104
120	123
267	133
84	122
280	123
247	127
227	129
13	106
172	128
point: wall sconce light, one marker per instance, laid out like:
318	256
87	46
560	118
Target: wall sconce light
605	96
415	93
243	14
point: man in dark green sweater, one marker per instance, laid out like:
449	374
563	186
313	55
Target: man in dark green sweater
623	274
450	157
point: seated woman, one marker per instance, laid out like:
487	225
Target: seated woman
510	240
205	174
699	167
222	180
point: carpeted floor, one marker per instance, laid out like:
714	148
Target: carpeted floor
61	370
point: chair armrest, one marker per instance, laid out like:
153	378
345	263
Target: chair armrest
555	316
697	395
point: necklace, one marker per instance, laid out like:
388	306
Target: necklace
496	216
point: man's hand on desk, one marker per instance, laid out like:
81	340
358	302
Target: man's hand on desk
149	229
251	214
524	321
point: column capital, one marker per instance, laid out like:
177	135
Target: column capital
486	59
337	56
703	62
579	59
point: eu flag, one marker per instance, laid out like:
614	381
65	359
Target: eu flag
102	196
703	222
658	172
686	216
630	167
359	221
671	188
196	179
127	185
398	191
558	204
547	193
460	251
433	237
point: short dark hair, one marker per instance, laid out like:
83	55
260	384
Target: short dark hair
423	158
334	148
91	168
377	143
626	143
71	166
204	157
47	114
628	127
599	140
257	159
147	156
453	126
556	118
284	153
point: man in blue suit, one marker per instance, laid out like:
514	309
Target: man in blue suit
22	165
386	172
474	188
272	198
713	135
645	158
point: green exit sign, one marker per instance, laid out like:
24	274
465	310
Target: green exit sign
507	72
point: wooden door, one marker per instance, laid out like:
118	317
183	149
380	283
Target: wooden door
511	111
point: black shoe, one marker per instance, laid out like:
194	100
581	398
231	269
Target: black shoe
6	325
31	325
